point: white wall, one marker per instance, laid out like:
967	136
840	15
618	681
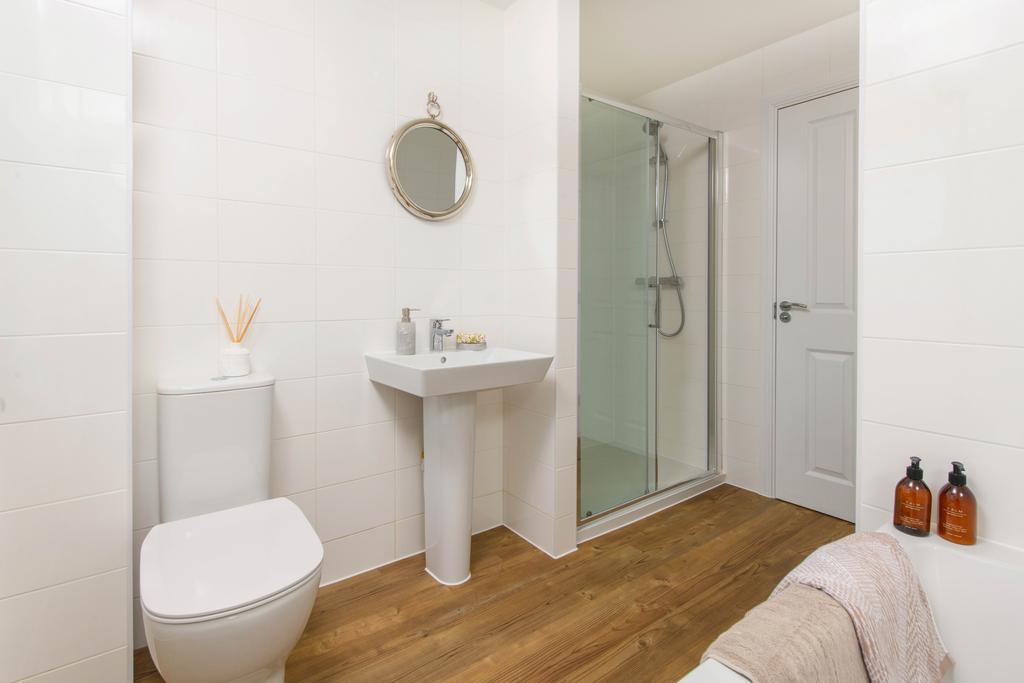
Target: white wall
733	97
64	340
260	136
541	124
942	340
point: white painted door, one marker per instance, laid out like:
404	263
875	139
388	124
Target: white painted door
815	363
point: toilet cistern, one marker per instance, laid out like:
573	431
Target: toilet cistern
448	384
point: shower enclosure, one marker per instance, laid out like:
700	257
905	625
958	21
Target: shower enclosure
646	318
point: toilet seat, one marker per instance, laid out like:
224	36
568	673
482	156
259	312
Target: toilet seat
217	564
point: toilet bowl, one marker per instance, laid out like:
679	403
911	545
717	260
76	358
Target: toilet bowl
225	595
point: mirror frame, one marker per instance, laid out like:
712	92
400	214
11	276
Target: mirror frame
392	170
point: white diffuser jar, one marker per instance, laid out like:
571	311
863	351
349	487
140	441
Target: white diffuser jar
235	360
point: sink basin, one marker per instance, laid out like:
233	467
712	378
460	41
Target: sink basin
453	372
448	383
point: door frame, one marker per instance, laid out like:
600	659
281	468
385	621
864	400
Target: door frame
769	264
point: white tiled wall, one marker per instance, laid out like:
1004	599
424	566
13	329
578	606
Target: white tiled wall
942	251
64	340
541	255
733	97
260	137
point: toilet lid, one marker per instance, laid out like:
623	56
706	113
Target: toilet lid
213	563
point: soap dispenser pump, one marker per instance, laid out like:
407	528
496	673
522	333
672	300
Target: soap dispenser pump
912	509
958	509
405	337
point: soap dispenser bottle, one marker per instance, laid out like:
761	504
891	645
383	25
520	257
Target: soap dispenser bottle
958	510
912	509
405	337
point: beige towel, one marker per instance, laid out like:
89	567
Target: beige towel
799	635
871	576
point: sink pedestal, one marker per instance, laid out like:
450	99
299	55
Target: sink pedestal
447	382
449	435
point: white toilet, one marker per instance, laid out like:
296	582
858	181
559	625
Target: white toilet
228	579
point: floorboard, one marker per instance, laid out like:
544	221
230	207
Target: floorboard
638	604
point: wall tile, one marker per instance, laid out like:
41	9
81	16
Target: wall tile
355	506
175	292
253	49
287	291
294	412
294	15
354	239
409	492
293	465
266	233
174	226
175	30
60	612
63	541
972	397
953	203
254	172
345	557
173	95
352	400
354	453
62	125
409	536
979	90
175	161
55	208
262	112
73	375
900	35
48	461
285	350
36	37
34	302
99	669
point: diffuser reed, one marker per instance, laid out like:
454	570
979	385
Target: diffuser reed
235	358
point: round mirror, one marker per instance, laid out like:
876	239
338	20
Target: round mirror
429	169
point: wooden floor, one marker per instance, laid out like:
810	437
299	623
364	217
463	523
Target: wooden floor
638	604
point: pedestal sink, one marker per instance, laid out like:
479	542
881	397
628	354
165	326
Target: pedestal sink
448	382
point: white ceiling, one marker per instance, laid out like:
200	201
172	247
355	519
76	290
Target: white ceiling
630	47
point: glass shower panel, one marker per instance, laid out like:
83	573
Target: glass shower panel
616	371
683	271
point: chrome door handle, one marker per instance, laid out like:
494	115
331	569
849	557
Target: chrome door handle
792	306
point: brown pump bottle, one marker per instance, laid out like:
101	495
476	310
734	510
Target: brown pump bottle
958	510
912	509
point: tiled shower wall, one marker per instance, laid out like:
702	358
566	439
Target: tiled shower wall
260	134
65	155
942	343
733	97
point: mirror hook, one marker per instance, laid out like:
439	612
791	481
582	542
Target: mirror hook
433	106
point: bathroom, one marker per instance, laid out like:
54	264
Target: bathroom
642	461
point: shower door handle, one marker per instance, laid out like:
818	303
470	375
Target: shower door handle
657	308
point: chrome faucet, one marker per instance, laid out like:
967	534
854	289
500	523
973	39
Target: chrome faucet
438	332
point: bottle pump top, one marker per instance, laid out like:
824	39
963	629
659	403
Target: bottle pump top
405	314
914	471
957	476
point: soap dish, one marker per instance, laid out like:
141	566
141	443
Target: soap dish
470	341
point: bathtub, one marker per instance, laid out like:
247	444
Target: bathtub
977	596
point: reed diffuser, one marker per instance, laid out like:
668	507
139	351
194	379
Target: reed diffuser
235	358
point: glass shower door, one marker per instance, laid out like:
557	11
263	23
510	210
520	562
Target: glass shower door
617	348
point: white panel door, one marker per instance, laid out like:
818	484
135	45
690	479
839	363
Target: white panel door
816	280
